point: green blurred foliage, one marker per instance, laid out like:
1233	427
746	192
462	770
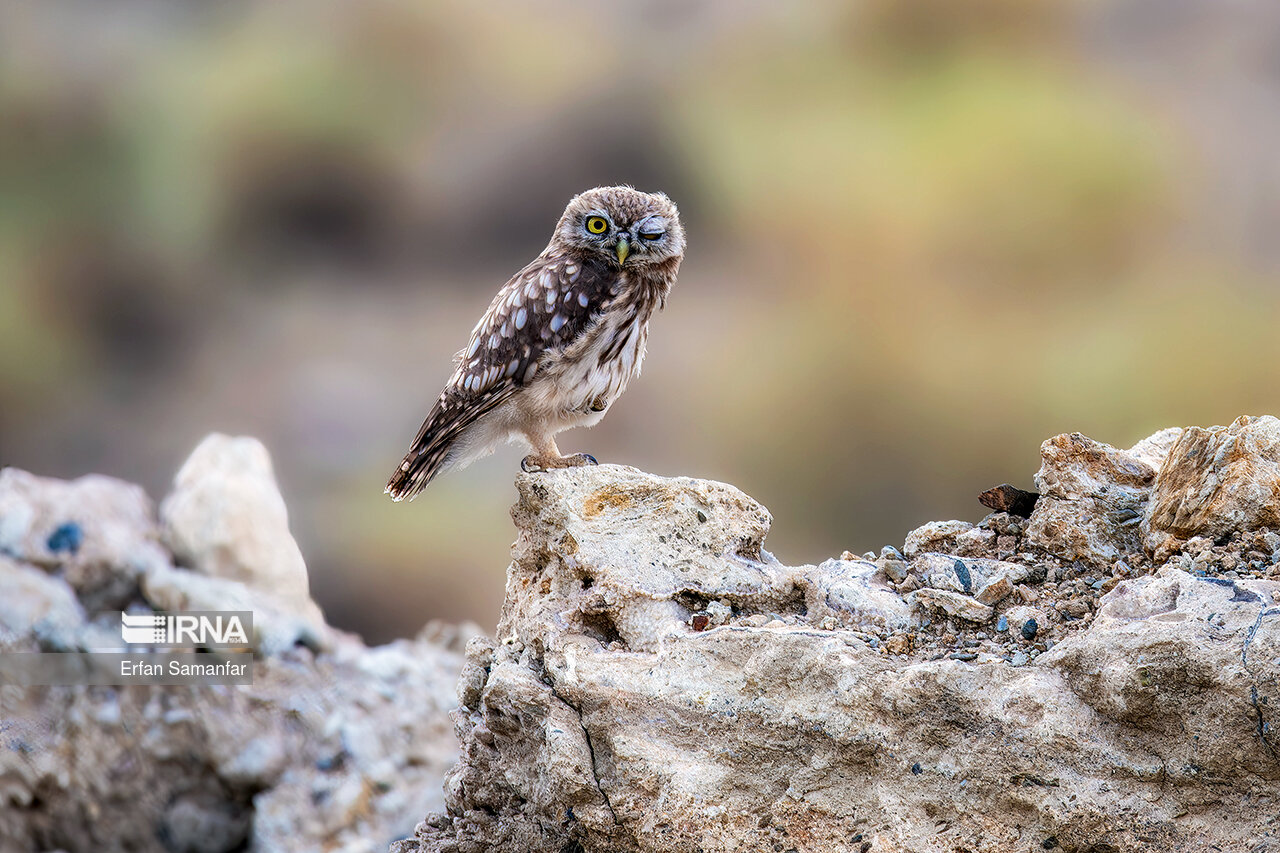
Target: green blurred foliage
924	236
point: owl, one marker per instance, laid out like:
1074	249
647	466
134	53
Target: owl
560	341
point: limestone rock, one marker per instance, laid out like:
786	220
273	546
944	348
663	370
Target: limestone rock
1189	666
278	623
970	576
1092	497
38	605
631	585
996	591
225	519
1020	615
852	593
334	746
1215	482
603	721
935	536
260	768
97	533
1153	449
660	682
953	604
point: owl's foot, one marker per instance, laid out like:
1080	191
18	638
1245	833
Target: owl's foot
534	463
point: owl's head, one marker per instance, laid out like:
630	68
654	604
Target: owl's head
623	226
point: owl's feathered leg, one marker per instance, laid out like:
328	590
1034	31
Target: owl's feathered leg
546	455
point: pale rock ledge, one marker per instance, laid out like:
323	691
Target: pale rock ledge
1103	676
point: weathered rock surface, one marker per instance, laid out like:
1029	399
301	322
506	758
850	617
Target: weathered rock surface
661	683
1092	497
335	746
1216	482
226	520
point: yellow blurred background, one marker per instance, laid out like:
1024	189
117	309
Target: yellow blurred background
923	236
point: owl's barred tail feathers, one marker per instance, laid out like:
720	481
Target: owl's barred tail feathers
431	450
419	468
427	454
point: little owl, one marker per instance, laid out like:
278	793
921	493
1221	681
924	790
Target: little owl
559	342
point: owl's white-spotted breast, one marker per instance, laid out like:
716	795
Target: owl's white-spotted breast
559	342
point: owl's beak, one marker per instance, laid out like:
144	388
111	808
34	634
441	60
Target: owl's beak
623	249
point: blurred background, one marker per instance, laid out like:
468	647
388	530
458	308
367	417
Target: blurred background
923	237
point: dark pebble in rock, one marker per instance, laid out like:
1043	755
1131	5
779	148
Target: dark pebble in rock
964	656
962	572
916	769
1050	842
1029	629
1002	624
68	537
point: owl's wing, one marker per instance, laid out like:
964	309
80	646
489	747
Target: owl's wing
544	307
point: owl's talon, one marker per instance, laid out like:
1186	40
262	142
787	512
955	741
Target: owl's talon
530	466
578	460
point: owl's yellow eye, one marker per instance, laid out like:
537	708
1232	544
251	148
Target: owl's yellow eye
596	224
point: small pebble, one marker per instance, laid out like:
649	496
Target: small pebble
891	553
916	769
966	656
1029	629
67	537
1002	624
895	570
1019	659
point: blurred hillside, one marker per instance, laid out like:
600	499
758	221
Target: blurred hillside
922	237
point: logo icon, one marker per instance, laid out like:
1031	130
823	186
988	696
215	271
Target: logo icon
207	629
144	628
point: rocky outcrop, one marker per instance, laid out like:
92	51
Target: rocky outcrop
334	746
1101	676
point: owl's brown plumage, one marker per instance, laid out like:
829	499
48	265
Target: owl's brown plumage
559	342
